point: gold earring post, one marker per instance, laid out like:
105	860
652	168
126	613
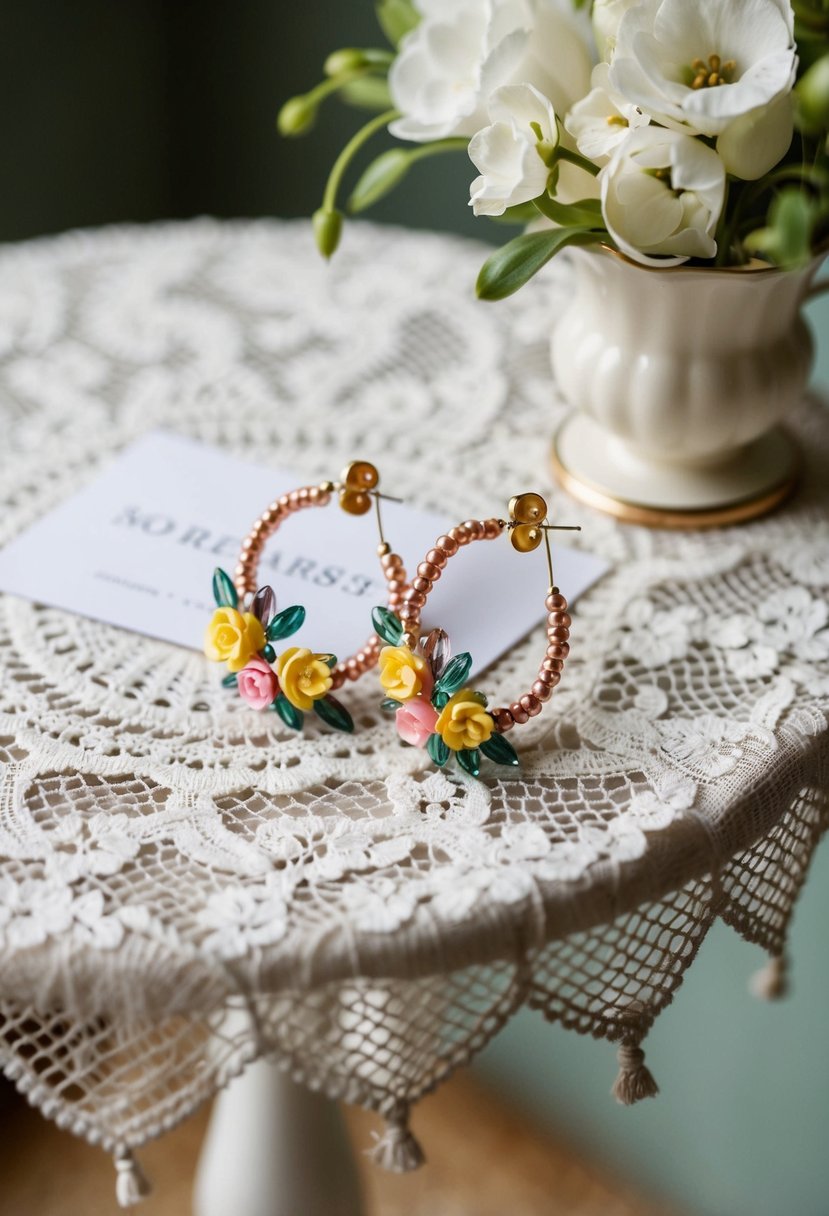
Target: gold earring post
377	495
547	529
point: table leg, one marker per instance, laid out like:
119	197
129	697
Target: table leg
274	1148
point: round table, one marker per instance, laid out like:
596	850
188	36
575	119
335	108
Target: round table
186	888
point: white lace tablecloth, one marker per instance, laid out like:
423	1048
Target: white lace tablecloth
186	885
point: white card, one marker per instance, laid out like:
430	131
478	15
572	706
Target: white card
137	549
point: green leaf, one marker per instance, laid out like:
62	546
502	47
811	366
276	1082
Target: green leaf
470	759
334	714
230	681
396	18
498	749
521	213
380	178
439	699
285	623
330	660
268	653
367	93
454	674
437	749
289	713
586	213
390	705
389	169
387	625
515	264
787	240
224	593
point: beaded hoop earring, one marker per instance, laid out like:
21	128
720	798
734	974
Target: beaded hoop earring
426	689
245	624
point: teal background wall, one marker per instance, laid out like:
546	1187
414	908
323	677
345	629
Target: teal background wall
740	1126
118	110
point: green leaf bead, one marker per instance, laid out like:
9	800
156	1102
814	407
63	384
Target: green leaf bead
454	674
439	699
334	714
470	759
268	653
330	660
230	681
497	748
289	713
390	706
387	625
286	622
224	593
437	749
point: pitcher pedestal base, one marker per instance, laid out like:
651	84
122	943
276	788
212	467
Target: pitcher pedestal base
602	471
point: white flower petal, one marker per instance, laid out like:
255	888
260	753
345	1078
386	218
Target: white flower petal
452	62
674	213
659	40
753	144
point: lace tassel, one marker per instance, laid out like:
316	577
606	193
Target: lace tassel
397	1150
771	982
131	1184
634	1081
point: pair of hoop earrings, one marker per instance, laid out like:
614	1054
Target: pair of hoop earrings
425	687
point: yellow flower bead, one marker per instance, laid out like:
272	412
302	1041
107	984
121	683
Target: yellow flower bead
403	673
233	637
304	677
464	721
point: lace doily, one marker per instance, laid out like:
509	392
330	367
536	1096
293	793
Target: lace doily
185	885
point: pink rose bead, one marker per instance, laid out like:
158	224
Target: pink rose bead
416	721
258	684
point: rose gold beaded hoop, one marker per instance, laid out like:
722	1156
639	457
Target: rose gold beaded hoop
426	689
245	624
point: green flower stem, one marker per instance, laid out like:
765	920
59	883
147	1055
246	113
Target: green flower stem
811	18
803	174
334	83
573	158
453	144
741	223
724	234
329	198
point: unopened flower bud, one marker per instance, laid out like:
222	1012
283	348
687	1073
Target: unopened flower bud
297	116
347	59
351	59
327	228
812	92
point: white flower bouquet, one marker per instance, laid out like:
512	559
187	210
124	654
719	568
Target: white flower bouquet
673	131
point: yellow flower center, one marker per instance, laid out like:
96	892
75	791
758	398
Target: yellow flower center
304	677
401	672
464	721
712	73
233	638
